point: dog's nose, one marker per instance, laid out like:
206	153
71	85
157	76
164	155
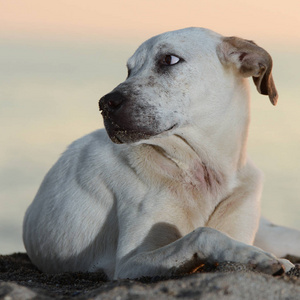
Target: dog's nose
112	102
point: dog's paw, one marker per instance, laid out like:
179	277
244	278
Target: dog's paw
268	265
264	262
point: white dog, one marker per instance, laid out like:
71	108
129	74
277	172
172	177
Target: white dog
168	186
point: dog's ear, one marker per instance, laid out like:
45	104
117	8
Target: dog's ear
250	60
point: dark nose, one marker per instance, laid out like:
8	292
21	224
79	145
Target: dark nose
112	102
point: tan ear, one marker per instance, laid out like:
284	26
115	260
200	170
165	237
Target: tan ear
250	60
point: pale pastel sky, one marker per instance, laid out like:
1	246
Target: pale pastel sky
270	20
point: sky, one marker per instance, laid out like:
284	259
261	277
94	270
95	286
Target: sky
273	20
57	58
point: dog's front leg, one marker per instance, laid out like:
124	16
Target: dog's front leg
238	214
203	245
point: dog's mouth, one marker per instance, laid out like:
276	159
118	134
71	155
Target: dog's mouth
127	136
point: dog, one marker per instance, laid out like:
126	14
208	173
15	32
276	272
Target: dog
168	186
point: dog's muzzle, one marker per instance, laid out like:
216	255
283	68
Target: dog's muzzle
120	123
129	119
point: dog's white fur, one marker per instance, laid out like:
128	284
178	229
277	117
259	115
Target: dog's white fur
180	194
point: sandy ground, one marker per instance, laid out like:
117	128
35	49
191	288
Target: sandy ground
19	279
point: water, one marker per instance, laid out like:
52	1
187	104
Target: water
49	97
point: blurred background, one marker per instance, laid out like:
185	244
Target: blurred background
57	58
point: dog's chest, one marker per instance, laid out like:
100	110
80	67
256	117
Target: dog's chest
191	190
197	190
177	181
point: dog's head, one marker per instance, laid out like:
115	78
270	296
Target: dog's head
178	78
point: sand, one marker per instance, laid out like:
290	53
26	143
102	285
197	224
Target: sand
19	279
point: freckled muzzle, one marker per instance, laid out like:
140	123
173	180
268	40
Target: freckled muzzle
126	120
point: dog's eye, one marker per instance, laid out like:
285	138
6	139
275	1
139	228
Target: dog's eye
169	60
